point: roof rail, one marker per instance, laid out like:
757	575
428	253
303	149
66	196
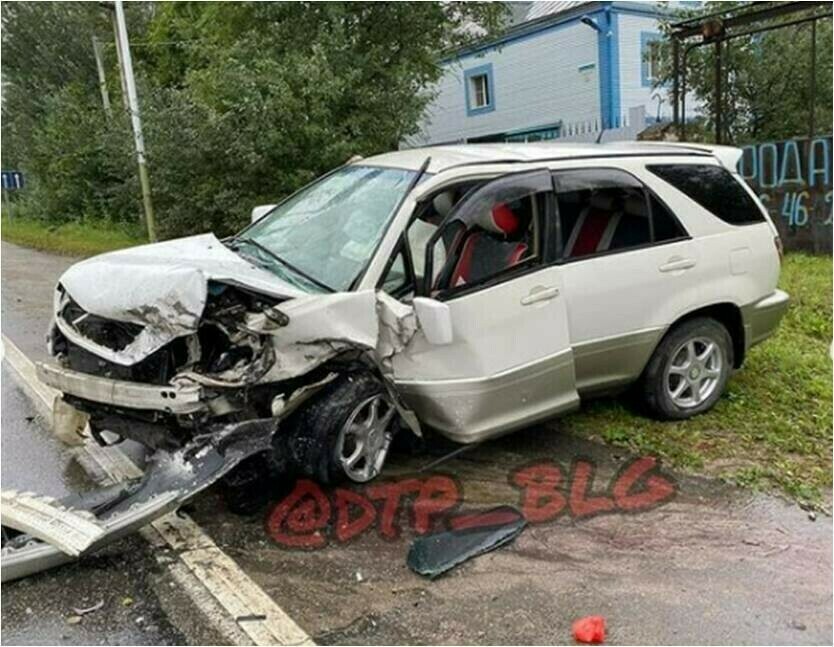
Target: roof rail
727	155
693	151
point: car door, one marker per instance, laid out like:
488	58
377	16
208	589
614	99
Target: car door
629	270
509	363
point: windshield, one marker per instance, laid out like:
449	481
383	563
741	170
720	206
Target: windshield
322	237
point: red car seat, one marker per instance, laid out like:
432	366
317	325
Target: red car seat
486	250
595	226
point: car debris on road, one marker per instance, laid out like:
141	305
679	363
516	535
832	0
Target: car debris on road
85	611
472	535
35	528
590	629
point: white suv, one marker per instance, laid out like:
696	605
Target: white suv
470	289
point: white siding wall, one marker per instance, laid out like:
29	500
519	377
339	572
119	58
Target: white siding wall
632	92
536	79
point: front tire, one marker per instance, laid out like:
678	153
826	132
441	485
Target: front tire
345	433
689	370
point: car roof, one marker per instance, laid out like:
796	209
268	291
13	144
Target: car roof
445	157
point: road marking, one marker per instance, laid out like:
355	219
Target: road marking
229	588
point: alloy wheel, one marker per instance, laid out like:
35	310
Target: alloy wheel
364	439
694	372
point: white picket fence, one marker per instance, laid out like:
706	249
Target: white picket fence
626	129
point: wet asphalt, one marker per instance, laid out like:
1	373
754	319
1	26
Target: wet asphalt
137	595
708	564
134	591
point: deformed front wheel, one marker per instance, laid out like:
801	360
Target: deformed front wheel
689	369
345	433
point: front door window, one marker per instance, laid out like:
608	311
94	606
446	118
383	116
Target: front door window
494	231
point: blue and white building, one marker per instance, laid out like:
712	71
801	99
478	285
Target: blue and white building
563	69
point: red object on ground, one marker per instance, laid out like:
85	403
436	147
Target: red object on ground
590	629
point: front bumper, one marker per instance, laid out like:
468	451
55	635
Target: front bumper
762	317
181	399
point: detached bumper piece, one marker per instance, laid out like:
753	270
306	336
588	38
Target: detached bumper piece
40	533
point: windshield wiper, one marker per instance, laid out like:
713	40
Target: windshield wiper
271	254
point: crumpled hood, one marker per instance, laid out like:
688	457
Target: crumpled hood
163	287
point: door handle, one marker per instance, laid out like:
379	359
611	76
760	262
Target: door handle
677	264
538	294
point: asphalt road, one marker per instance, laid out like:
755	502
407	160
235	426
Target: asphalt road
135	594
138	598
705	563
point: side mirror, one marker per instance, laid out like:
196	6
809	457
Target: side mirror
435	320
261	211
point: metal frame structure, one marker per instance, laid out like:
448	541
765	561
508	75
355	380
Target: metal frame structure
721	27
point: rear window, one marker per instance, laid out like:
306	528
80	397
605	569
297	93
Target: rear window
714	188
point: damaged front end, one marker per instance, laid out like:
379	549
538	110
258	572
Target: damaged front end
181	344
203	373
245	360
157	387
185	349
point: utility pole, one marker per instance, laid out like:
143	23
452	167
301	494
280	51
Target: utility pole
133	107
102	81
110	7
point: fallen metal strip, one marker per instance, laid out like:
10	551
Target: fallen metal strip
72	531
25	555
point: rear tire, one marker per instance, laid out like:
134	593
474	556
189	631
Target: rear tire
689	370
344	433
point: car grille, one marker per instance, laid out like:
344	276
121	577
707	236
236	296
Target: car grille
115	335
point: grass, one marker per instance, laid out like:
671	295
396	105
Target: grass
73	239
773	427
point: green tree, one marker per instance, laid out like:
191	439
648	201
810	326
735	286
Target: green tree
766	82
253	100
242	102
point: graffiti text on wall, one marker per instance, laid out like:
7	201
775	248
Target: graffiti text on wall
793	180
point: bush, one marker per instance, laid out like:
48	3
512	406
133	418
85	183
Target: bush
79	165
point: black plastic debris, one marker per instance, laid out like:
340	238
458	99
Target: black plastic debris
471	535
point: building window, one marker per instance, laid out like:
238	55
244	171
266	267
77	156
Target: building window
480	90
650	53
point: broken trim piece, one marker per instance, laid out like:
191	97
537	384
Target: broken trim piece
179	399
473	535
71	531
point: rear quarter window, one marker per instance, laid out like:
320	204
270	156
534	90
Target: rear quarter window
712	187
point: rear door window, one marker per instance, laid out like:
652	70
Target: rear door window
666	226
714	188
603	211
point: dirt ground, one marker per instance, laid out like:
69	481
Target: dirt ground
709	565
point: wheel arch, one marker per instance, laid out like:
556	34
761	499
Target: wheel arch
727	314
